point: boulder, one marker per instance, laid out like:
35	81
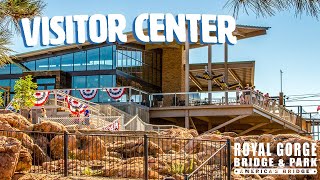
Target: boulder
90	148
49	126
39	156
131	168
24	162
82	147
135	148
57	148
9	156
179	133
9	131
41	141
16	121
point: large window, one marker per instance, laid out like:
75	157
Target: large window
93	82
5	69
80	61
54	63
102	81
106	58
30	65
93	59
42	64
67	62
15	69
5	82
145	65
12	83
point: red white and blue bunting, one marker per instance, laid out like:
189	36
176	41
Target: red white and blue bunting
114	126
65	91
115	93
74	105
41	97
88	94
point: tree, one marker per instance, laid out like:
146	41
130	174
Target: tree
11	11
270	7
24	90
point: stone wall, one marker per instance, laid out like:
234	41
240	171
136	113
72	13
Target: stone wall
173	80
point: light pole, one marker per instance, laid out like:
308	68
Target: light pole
281	72
281	97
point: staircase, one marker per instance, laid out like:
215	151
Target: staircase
134	116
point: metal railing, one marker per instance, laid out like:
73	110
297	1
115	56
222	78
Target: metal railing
110	110
220	171
136	124
92	122
117	156
133	108
217	98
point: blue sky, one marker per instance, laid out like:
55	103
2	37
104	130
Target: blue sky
291	44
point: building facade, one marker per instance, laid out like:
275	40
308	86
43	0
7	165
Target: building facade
92	66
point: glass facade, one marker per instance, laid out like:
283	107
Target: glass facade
145	65
139	69
97	81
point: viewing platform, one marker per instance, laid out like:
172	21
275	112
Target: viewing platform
259	115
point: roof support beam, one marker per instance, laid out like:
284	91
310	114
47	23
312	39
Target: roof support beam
235	77
252	128
272	131
192	124
227	123
195	81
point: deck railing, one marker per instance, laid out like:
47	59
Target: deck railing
217	98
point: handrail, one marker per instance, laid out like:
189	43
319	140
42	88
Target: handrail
136	117
199	167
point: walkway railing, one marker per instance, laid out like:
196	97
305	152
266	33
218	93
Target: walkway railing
93	122
217	98
136	124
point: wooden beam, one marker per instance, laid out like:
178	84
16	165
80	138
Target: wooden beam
195	81
226	123
272	131
236	77
192	124
252	128
174	120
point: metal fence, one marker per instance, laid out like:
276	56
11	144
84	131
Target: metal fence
125	156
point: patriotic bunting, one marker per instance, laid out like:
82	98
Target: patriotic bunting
74	105
115	93
65	91
41	97
114	126
88	94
